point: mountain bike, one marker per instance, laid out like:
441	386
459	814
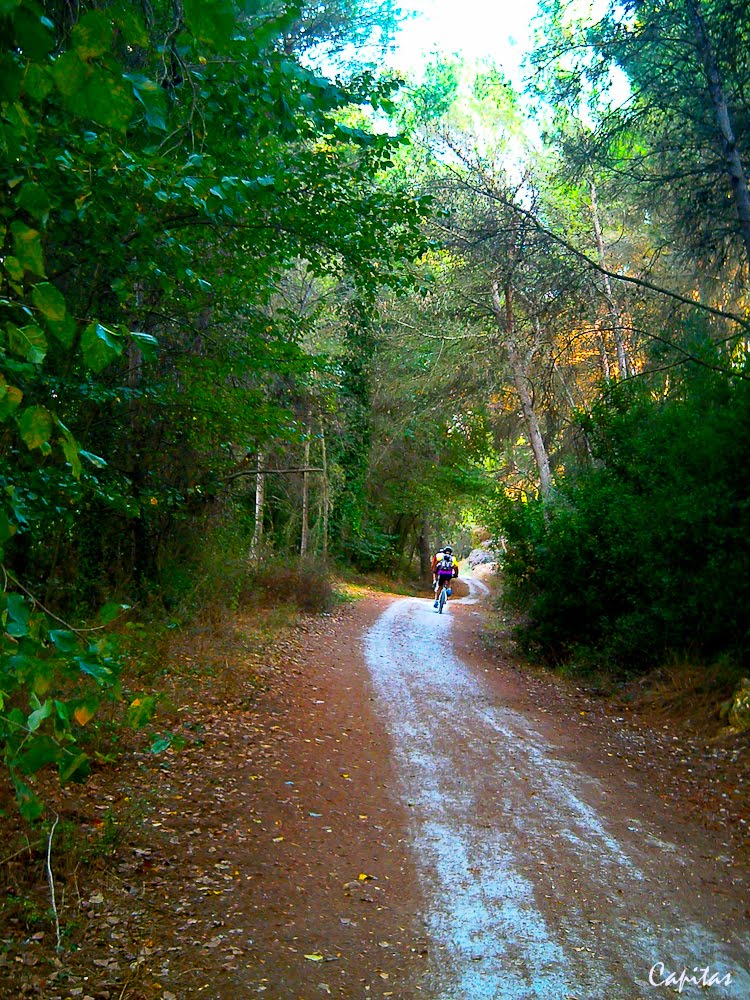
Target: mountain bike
445	592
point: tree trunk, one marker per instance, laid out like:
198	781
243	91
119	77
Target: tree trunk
506	323
603	358
326	501
732	159
260	498
623	365
305	533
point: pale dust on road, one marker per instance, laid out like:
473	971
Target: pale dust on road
537	883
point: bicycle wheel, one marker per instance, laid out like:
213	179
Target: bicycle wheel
441	600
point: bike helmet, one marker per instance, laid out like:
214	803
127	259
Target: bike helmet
448	549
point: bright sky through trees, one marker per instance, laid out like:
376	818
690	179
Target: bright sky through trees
476	29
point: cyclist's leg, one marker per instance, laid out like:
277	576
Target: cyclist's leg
437	591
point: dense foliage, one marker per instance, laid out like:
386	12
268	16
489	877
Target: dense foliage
166	167
644	553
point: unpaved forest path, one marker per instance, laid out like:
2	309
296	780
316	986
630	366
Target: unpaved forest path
404	813
539	878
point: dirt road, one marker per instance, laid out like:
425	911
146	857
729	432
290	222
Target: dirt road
403	814
541	878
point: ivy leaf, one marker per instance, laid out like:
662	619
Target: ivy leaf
27	341
99	346
35	425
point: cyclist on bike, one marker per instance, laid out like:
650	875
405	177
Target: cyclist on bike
444	569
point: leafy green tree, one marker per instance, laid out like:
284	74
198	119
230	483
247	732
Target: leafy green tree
165	166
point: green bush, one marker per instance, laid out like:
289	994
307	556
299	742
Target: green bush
647	551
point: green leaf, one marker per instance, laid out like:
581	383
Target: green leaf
211	21
37	83
10	398
140	711
35	425
27	245
39	751
27	341
147	343
72	455
131	25
64	640
161	744
18	611
33	198
100	346
30	806
95	460
49	301
152	97
63	712
101	674
92	35
111	611
74	767
7	528
11	75
8	6
70	449
70	74
33	36
106	99
14	268
37	717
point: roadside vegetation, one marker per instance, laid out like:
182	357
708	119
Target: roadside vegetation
271	314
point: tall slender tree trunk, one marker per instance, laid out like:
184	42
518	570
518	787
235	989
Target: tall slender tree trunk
260	503
732	160
623	364
326	494
506	323
603	358
305	533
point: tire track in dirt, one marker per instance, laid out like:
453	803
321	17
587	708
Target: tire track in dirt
539	883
